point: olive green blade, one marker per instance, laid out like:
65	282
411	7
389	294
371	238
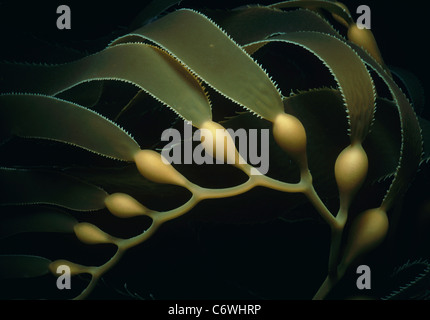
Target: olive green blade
147	67
15	220
23	266
349	71
257	23
215	58
38	116
330	6
411	142
425	127
30	187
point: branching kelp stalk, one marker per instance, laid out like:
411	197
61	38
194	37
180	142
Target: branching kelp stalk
172	59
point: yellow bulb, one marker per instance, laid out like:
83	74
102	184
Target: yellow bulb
90	234
211	141
364	38
153	166
367	232
351	169
74	268
123	205
290	135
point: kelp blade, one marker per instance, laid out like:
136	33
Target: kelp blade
321	40
37	116
208	52
411	142
147	67
413	86
257	23
26	187
425	127
358	91
330	6
23	266
34	219
322	113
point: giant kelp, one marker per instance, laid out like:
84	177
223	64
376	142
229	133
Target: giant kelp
189	61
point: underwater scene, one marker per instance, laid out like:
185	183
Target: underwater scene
201	150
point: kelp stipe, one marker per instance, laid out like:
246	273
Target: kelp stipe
187	62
